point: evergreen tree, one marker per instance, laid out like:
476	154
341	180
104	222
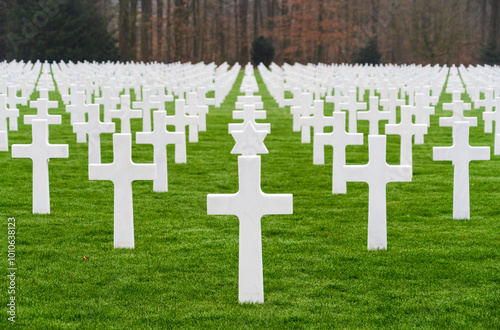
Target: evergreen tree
262	51
369	54
60	30
489	53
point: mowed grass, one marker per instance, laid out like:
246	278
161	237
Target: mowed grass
183	273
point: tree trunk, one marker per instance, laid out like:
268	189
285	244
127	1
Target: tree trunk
124	30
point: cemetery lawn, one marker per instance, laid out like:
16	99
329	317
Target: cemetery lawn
183	273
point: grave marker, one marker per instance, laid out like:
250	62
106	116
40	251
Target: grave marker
406	129
122	171
338	139
374	115
377	173
40	151
125	113
93	128
461	154
160	137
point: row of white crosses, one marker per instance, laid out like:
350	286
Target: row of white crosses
249	204
377	173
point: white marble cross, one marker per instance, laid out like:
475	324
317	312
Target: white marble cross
460	154
78	108
458	106
42	105
6	113
93	128
160	137
146	105
108	101
406	129
377	173
390	104
249	99
250	204
422	114
374	115
9	110
180	120
305	109
161	98
337	99
353	106
249	114
338	139
488	103
12	102
125	113
122	171
195	109
40	151
318	121
490	117
202	97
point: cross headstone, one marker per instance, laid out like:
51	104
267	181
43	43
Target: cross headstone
488	103
108	101
488	117
336	99
249	114
458	106
377	173
146	105
42	105
391	103
93	128
180	120
6	113
338	139
12	101
374	115
406	129
318	121
40	151
125	113
122	171
422	114
161	98
305	109
250	204
353	106
195	109
202	97
160	137
461	153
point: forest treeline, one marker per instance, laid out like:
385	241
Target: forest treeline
327	31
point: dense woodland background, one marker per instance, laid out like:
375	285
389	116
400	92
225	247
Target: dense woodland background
327	31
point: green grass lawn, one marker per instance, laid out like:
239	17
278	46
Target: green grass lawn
183	273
